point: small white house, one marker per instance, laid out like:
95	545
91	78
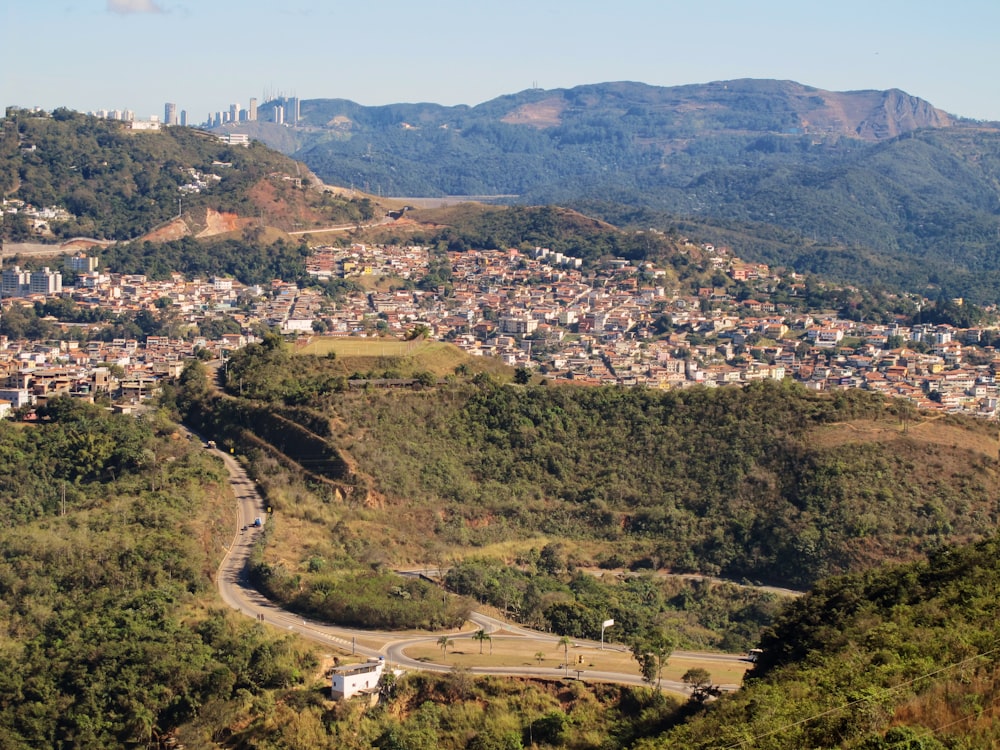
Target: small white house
351	679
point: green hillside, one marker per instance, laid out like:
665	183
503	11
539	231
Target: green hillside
121	184
109	631
895	658
769	483
517	488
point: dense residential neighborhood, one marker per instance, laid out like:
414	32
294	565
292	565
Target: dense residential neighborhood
620	324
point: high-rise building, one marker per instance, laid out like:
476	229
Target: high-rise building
234	112
169	113
14	281
252	110
292	110
279	114
82	263
45	281
184	118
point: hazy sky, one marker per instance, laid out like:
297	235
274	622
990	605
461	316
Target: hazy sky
206	54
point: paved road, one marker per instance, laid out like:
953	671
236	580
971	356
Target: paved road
237	593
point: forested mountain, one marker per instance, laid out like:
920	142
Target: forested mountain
867	185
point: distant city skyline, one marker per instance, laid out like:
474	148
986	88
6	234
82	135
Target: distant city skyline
139	54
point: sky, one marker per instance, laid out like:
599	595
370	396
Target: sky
207	54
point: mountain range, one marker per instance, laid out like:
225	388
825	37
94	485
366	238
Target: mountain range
870	186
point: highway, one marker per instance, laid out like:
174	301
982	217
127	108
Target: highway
236	592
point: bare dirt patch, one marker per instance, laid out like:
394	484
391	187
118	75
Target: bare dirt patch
219	223
546	113
174	230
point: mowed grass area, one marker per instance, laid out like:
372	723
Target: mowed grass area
515	651
321	346
405	358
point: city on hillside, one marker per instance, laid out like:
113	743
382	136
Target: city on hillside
621	324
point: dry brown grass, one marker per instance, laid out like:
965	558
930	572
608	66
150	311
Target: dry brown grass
406	357
928	431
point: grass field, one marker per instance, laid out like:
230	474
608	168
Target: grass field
932	430
355	354
514	651
366	347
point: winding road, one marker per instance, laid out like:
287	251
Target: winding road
236	592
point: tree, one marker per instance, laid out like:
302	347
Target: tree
522	376
419	331
700	682
565	642
444	641
482	636
425	378
540	656
651	650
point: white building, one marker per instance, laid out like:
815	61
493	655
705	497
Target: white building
45	282
352	679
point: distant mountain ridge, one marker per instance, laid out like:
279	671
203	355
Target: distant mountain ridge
870	115
622	125
869	186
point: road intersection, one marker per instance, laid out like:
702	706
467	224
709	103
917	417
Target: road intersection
236	591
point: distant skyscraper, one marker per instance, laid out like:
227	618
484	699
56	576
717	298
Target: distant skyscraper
292	110
169	113
279	114
252	110
184	118
234	112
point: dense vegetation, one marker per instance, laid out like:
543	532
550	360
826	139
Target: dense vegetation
110	529
896	657
246	260
546	593
120	184
769	482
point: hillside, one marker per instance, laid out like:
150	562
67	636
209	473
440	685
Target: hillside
832	182
514	488
766	483
897	657
176	182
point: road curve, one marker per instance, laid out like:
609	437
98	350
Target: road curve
236	591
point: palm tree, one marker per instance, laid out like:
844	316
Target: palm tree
540	655
481	636
565	642
444	641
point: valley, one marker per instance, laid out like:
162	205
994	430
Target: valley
669	420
